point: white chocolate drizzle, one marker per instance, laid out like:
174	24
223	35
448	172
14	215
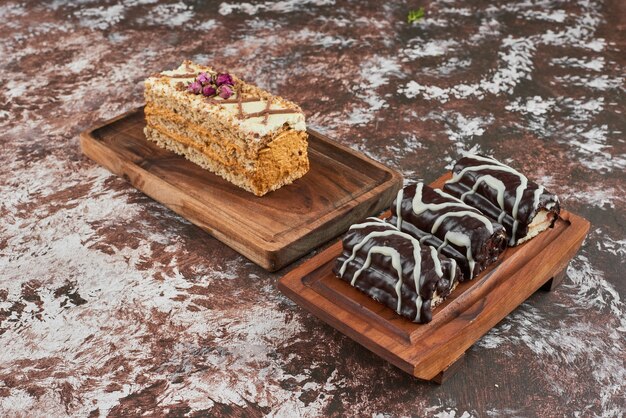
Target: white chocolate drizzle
396	261
500	188
451	237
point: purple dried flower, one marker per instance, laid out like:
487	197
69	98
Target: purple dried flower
194	87
204	78
209	91
223	78
225	91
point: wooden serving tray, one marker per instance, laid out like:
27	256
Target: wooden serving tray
341	187
432	351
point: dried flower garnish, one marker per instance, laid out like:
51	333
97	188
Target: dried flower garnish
204	78
194	87
210	85
208	91
223	78
415	15
225	91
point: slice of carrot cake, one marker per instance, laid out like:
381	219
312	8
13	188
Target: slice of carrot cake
240	132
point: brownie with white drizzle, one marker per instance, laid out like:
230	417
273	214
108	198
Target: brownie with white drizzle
393	268
454	228
504	195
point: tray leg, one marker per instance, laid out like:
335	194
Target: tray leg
555	280
446	373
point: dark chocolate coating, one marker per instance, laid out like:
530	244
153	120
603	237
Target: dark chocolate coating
379	279
485	197
485	245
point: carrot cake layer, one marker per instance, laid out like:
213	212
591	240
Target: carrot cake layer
238	131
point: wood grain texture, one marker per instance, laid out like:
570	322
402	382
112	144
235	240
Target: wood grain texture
430	351
341	187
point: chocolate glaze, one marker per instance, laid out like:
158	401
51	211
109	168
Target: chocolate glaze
502	193
237	100
457	230
405	284
187	75
240	100
265	113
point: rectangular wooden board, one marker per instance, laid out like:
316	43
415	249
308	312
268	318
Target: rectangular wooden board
341	187
430	351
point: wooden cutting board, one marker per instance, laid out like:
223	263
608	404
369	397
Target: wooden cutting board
342	187
432	351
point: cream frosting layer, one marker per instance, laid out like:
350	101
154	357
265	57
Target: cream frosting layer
256	126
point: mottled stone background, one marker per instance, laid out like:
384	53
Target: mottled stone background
112	305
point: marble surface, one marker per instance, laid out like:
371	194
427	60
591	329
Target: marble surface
110	304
